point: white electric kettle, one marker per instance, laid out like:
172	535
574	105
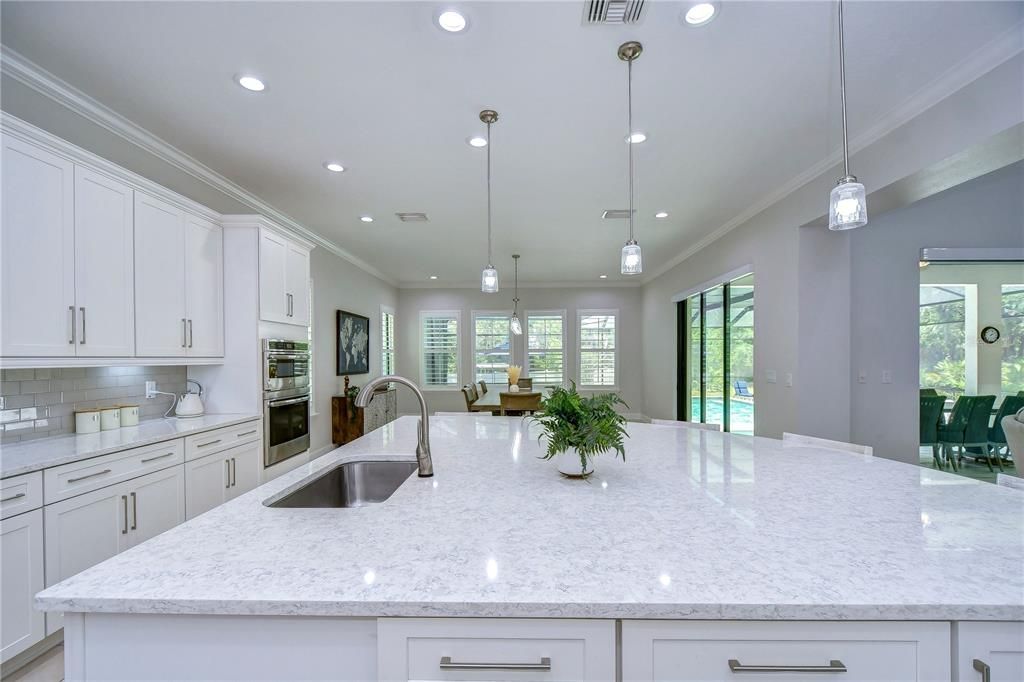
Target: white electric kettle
190	404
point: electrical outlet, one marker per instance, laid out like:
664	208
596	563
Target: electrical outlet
789	379
150	389
886	376
862	377
770	376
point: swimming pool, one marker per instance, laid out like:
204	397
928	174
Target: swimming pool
741	414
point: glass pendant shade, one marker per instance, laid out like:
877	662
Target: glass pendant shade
489	280
632	259
848	206
517	326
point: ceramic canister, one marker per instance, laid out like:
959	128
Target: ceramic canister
129	415
110	418
87	421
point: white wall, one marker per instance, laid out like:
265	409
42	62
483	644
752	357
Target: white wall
885	280
411	301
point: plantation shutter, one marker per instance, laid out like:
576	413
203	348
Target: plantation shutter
597	349
387	342
440	350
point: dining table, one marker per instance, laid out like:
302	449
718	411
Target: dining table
491	401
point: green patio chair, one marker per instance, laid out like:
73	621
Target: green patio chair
928	392
931	415
951	434
976	431
996	435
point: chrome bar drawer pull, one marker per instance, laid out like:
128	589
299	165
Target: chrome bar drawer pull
124	504
247	433
983	668
211	442
833	666
543	666
71	309
82	340
13	497
153	459
227	474
135	511
93	475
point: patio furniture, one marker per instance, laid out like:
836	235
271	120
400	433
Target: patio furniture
1009	481
519	403
1011	405
795	439
742	389
467	393
931	417
976	431
928	392
687	425
1013	429
483	387
951	434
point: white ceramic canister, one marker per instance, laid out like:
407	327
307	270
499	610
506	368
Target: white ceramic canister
87	421
129	415
110	418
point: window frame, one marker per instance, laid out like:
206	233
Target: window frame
388	310
580	351
474	314
457	316
565	350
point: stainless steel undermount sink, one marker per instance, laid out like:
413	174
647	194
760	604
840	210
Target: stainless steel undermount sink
352	484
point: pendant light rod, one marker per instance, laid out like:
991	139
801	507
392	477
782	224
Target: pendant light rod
489	116
628	52
515	299
842	90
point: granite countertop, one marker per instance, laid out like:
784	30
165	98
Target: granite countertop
695	525
42	453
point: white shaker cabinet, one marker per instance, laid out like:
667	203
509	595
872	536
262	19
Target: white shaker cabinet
284	279
989	652
156	503
212	480
204	287
37	252
21	575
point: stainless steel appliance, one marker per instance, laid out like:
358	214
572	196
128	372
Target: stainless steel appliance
285	399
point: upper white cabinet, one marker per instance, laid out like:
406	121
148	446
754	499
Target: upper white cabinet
37	252
179	283
284	279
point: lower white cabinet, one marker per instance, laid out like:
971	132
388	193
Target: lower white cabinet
992	649
495	649
21	577
221	476
725	650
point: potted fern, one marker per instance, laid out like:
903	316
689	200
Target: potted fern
579	428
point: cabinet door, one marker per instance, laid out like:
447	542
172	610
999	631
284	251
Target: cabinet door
81	532
273	261
21	558
207	480
160	328
157	503
997	646
37	252
297	273
104	263
246	462
204	282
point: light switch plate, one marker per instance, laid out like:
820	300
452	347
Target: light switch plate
789	379
886	376
862	377
770	376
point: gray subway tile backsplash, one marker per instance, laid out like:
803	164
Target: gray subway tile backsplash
42	402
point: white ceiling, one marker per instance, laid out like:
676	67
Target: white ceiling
733	111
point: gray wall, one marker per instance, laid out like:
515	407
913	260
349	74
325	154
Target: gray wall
885	279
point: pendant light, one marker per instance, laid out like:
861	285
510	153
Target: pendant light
632	258
848	206
517	326
489	276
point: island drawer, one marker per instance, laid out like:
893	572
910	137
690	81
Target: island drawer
80	477
203	444
752	650
21	494
495	648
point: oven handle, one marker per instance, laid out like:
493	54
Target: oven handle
290	401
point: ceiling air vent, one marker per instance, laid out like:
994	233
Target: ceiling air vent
412	217
613	11
616	214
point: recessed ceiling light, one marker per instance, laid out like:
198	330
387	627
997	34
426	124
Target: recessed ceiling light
700	13
603	276
366	219
334	166
661	214
636	138
433	277
251	83
451	21
477	141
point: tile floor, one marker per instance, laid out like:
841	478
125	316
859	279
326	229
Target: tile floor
47	668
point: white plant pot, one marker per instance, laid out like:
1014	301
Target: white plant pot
568	463
513	388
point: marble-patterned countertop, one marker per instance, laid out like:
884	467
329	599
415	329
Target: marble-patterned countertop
42	453
695	525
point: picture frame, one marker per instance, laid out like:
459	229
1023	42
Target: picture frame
352	339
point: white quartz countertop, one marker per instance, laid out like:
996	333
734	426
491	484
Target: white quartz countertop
42	453
695	525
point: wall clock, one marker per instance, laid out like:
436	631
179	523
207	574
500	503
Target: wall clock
989	334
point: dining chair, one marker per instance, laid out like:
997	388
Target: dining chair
796	440
1009	481
483	387
931	414
976	431
526	382
951	434
467	393
687	425
519	403
1011	405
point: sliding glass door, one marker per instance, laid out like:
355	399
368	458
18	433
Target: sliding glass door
716	356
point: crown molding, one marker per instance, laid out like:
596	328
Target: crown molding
33	76
570	284
998	51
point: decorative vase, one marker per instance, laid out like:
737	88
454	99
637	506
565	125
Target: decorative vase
513	388
569	464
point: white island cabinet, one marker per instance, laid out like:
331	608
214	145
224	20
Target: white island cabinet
705	556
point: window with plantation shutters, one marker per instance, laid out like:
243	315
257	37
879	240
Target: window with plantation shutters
598	347
387	341
545	347
439	339
492	347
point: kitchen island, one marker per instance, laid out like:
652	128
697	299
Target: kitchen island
701	553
